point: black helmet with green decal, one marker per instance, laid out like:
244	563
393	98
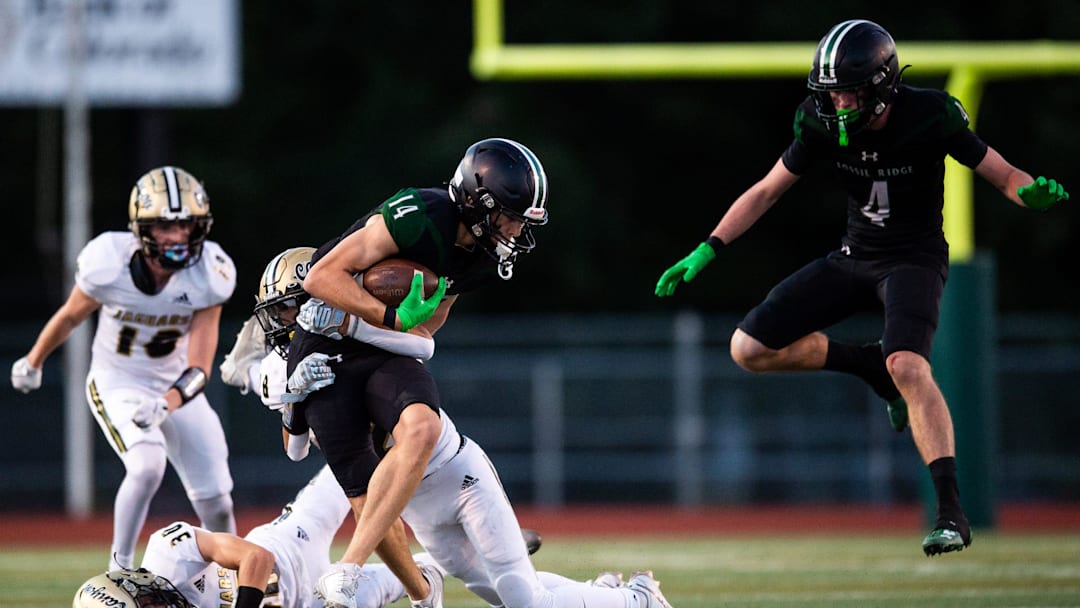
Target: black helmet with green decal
856	55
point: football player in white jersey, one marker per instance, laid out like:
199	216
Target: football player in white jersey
160	288
274	566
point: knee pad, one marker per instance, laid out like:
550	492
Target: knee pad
145	463
517	591
216	514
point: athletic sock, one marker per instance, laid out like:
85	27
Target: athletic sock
949	512
866	362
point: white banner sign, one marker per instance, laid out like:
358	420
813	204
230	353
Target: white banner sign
138	52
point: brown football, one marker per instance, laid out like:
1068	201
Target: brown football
390	280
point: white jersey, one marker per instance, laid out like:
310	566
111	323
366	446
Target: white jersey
140	335
299	539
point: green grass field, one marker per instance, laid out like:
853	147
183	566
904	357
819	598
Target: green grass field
807	571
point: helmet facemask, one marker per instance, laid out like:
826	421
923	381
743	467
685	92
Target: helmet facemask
501	248
847	122
281	294
174	256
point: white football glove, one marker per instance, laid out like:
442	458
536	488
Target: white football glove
24	377
249	349
150	412
311	374
318	317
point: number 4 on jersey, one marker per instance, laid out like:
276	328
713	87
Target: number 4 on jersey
877	209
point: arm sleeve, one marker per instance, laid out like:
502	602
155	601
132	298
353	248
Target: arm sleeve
397	342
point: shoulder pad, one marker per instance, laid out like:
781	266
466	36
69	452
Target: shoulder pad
956	117
103	260
220	272
806	121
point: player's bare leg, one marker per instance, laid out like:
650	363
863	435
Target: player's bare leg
932	431
395	480
815	352
805	354
391	487
394	552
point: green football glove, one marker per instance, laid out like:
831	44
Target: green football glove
1042	194
415	309
685	269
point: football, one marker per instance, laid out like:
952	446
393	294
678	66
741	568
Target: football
390	280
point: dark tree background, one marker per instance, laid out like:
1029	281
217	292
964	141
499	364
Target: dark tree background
345	102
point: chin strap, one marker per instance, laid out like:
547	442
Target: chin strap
506	268
506	260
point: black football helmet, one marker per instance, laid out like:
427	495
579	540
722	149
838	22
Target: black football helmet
856	55
282	289
500	176
136	588
164	195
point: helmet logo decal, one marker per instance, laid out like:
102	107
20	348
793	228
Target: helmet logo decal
827	61
101	594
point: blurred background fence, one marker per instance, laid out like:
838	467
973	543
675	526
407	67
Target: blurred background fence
630	409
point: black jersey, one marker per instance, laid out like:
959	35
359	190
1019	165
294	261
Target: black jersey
424	224
894	177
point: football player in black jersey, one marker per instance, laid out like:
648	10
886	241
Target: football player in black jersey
887	143
469	234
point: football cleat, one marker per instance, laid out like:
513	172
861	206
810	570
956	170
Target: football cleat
898	417
644	583
608	579
946	537
435	582
337	587
532	540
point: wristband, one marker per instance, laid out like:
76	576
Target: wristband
248	597
715	243
190	384
389	318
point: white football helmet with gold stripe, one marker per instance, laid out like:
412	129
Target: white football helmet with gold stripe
281	293
170	194
139	588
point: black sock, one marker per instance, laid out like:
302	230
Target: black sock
866	362
943	472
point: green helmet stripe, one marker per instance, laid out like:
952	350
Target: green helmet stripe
829	49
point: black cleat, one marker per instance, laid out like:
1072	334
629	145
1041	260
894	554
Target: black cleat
946	537
532	540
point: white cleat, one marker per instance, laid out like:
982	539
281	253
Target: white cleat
644	583
337	587
608	579
435	581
